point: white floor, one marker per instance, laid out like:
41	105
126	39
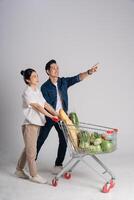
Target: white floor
84	184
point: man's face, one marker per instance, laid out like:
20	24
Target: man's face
54	70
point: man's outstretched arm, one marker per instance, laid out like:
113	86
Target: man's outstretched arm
88	72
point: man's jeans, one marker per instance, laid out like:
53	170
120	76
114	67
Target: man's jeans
44	132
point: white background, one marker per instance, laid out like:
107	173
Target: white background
77	33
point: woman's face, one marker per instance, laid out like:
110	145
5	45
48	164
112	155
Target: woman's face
34	79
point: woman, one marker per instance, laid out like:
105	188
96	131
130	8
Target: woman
34	107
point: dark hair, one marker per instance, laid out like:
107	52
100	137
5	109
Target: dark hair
47	67
26	74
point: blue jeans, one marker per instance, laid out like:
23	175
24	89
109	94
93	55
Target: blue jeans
44	132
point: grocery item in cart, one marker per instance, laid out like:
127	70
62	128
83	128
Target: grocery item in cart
94	143
74	118
72	130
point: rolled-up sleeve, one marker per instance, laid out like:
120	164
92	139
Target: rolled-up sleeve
72	80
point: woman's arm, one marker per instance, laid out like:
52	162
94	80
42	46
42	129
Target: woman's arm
40	108
50	109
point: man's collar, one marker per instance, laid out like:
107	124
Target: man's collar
52	82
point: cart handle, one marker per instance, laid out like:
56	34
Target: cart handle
113	129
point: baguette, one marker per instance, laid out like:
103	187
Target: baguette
72	131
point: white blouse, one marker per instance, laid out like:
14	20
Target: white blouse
32	116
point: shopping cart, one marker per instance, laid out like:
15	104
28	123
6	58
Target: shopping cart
92	139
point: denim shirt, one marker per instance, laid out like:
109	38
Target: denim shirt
49	92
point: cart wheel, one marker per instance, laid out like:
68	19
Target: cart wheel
67	175
106	188
54	182
112	183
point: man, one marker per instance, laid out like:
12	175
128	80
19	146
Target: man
55	93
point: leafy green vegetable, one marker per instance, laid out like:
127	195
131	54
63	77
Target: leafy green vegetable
74	118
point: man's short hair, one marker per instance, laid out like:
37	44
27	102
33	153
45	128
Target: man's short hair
47	67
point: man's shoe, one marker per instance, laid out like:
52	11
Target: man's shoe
21	174
38	179
57	169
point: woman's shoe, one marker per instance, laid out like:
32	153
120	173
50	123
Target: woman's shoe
57	169
38	179
21	174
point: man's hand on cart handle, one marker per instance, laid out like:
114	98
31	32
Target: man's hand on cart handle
93	69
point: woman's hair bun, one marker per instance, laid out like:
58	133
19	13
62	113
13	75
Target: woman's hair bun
22	72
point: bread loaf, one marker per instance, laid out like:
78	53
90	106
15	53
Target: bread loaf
72	130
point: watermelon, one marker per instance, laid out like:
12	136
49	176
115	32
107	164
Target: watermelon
106	146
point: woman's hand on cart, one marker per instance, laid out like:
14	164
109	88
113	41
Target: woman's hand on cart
55	119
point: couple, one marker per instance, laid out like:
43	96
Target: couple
41	114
